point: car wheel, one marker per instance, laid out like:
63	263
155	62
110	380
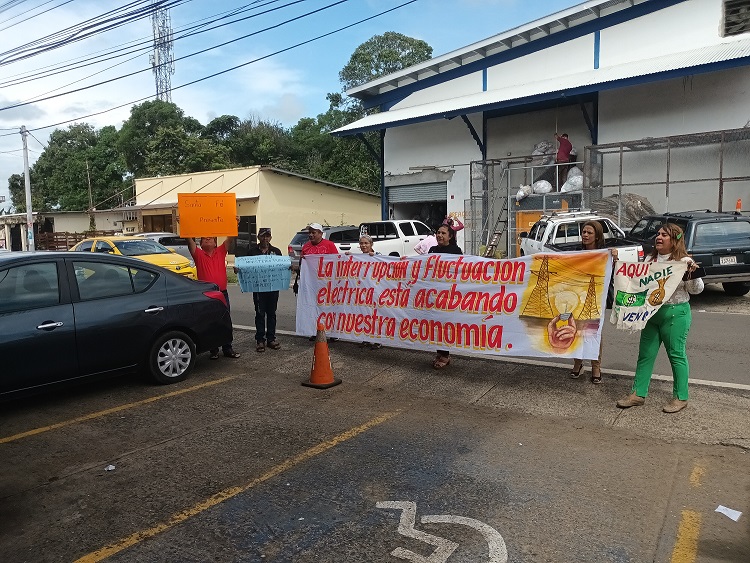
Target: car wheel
736	289
171	358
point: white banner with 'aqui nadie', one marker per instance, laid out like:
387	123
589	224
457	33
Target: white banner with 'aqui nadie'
641	288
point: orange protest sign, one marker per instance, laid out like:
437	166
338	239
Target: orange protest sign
207	215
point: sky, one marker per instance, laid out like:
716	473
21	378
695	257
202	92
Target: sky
281	87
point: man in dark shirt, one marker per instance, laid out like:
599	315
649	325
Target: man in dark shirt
265	302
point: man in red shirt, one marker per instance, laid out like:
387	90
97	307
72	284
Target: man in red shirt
317	245
563	156
210	261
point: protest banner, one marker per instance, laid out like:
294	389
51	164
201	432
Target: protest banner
640	289
207	215
541	305
263	273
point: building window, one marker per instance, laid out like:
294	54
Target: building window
736	17
247	232
157	223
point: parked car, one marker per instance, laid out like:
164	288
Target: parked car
143	249
718	242
345	238
170	240
397	237
67	316
559	232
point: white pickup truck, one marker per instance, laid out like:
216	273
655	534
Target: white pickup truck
561	232
396	237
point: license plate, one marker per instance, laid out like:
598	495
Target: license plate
724	260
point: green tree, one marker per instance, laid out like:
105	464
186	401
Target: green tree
174	151
79	166
347	161
381	55
141	128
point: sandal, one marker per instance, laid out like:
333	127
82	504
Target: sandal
274	345
231	354
375	346
214	355
261	347
441	361
576	374
596	379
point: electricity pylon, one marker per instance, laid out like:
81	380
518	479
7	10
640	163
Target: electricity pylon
162	59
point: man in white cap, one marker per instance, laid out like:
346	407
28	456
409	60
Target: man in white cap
317	245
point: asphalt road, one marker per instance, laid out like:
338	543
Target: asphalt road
486	461
717	345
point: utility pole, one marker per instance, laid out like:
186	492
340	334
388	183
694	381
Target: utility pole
27	182
162	59
92	221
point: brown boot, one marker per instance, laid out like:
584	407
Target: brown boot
631	400
675	405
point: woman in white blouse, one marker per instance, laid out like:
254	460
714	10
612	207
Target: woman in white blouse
669	325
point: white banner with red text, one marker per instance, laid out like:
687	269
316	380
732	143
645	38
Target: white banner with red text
545	305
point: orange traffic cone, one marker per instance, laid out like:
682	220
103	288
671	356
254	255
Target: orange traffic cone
321	375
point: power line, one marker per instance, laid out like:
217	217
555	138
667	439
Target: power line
35	15
316	38
116	78
12	81
84	30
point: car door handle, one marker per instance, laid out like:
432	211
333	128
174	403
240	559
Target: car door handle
49	325
406	240
153	310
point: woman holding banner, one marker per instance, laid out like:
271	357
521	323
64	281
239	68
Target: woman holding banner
592	238
446	244
669	325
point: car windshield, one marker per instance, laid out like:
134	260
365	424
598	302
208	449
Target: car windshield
140	247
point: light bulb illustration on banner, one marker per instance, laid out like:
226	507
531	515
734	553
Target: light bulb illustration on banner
566	302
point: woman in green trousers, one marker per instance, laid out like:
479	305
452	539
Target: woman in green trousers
669	325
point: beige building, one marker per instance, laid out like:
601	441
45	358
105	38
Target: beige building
266	197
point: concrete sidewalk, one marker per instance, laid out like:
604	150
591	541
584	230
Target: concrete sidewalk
714	416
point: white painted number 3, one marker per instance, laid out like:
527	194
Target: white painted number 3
444	548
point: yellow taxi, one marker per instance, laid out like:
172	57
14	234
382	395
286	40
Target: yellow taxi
142	248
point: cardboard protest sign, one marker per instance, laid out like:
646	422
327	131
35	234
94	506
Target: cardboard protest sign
207	215
541	305
641	288
263	273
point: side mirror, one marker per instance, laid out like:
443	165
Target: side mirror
524	234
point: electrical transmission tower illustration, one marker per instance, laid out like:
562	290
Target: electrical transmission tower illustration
162	59
590	309
538	304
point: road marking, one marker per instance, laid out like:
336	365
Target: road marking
696	475
120	408
498	552
230	492
406	528
686	548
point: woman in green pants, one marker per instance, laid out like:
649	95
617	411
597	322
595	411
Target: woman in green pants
669	325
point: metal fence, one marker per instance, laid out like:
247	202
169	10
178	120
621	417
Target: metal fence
678	173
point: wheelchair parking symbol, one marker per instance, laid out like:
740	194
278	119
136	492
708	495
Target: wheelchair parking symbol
444	548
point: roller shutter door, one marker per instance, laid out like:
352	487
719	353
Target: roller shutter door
437	191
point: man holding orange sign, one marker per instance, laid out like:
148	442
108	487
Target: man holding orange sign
209	214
